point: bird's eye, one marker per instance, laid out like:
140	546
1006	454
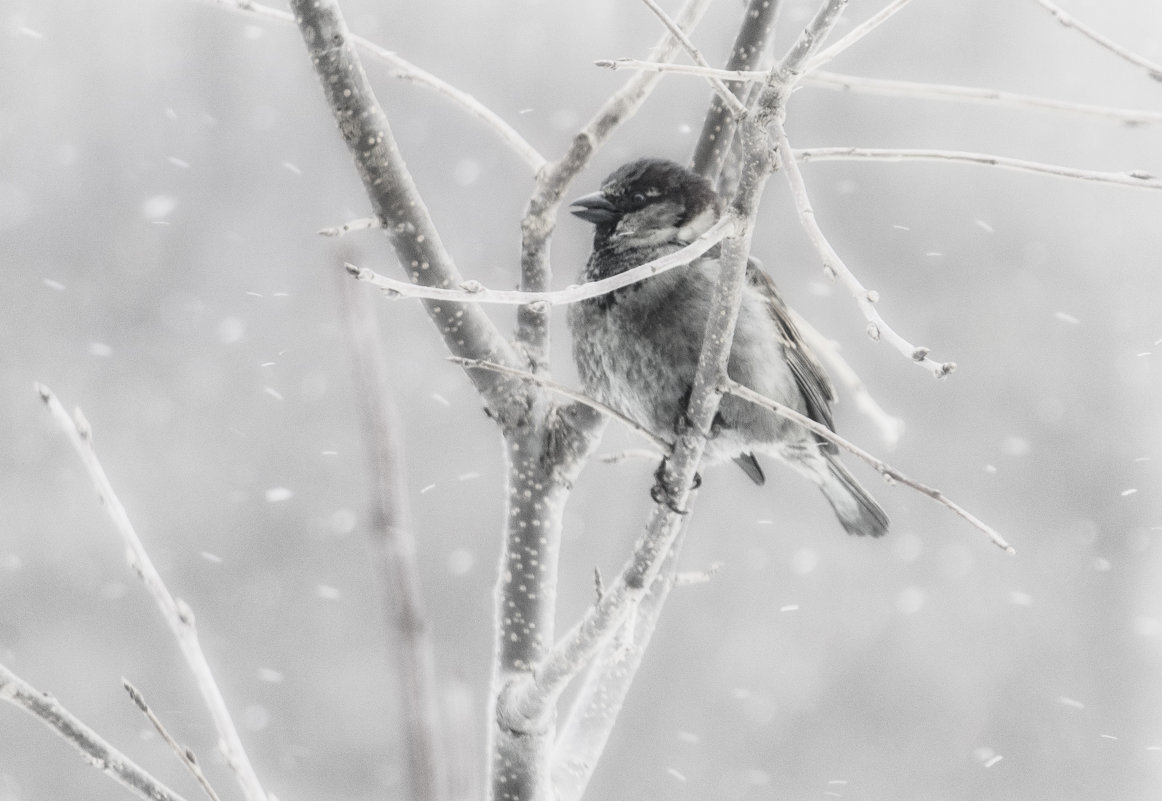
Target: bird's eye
638	198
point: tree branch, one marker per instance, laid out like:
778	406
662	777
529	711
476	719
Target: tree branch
724	94
467	331
1152	69
177	615
972	94
1138	179
474	292
570	394
908	89
95	750
754	36
856	33
834	266
184	754
405	70
885	469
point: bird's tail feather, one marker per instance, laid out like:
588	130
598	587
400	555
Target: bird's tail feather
857	511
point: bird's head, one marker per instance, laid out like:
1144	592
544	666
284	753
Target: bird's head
649	202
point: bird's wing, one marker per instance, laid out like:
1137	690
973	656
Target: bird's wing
816	388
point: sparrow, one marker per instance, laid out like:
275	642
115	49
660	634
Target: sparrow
637	348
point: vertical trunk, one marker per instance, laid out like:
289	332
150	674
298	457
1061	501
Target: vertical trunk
543	460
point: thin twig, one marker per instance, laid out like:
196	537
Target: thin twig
1153	70
833	265
885	469
176	613
736	106
184	754
405	70
93	748
565	392
910	89
973	94
1138	179
802	53
855	34
474	292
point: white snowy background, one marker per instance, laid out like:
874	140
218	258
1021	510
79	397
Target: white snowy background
163	169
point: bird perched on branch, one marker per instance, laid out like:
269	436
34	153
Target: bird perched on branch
637	348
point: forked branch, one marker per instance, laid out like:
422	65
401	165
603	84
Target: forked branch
176	613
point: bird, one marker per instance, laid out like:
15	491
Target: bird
636	348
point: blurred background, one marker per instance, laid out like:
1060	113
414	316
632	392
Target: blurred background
164	167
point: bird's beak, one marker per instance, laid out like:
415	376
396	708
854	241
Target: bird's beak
594	208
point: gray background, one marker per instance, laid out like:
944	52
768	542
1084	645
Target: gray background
163	169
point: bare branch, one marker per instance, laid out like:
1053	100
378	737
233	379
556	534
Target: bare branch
95	750
565	392
1137	179
587	726
403	69
856	33
184	754
712	152
394	550
474	292
810	41
885	469
466	329
834	266
724	94
1152	69
972	94
908	89
177	615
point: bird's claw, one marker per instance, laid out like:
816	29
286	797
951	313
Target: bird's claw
664	490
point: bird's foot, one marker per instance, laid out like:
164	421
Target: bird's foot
665	489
